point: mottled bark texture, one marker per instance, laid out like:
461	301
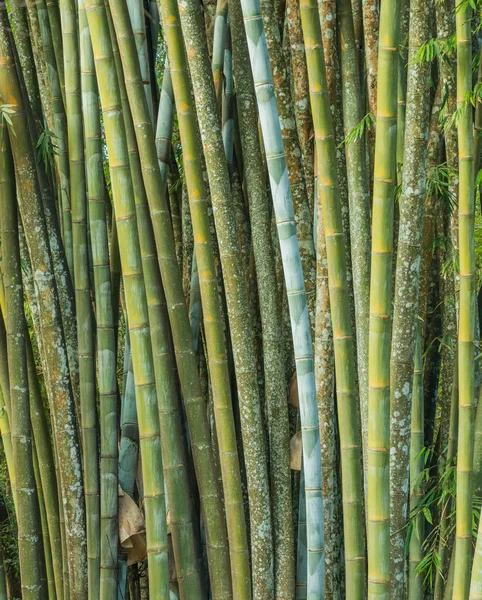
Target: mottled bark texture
407	282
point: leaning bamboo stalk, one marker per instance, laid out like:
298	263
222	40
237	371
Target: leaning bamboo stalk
173	449
293	155
128	449
23	42
55	87
105	333
378	498
344	347
85	344
5	429
136	299
32	566
186	360
240	321
42	435
301	330
138	21
213	321
165	120
272	341
43	447
47	546
300	86
219	44
467	300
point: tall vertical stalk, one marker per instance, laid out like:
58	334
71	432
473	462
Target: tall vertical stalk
136	299
407	284
213	321
105	333
31	557
346	387
358	197
88	411
378	499
301	331
275	381
467	300
54	347
178	315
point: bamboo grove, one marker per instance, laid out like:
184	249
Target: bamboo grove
240	299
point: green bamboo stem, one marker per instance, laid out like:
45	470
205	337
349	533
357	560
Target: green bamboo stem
467	299
3	579
344	348
417	465
298	308
328	20
45	531
54	20
174	458
129	441
43	447
325	390
300	86
241	325
138	22
18	17
57	373
219	44
186	360
478	124
378	499
358	196
49	475
407	285
85	343
137	292
60	123
443	547
227	109
476	577
165	120
105	332
213	323
32	567
5	429
128	449
272	341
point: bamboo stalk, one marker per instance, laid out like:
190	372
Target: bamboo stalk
32	565
467	299
213	321
359	205
344	348
136	299
378	499
88	411
301	330
417	465
272	341
186	361
105	333
407	285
